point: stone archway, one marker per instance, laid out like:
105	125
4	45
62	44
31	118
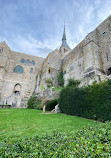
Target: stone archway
17	88
16	96
109	71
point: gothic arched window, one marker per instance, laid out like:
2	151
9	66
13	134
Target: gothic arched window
22	60
18	69
33	63
28	62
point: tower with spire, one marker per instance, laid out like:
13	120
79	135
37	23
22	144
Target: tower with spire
64	48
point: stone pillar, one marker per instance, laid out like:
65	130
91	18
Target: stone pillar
37	84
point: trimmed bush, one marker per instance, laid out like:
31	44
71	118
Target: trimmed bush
72	82
51	104
94	142
34	103
49	82
93	102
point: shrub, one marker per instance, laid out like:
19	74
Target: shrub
41	87
60	79
49	82
93	102
94	142
34	103
73	83
51	104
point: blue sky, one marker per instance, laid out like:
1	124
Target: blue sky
36	26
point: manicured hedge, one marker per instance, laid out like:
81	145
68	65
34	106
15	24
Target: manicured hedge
93	142
93	102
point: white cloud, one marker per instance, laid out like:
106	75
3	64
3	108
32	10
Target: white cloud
81	17
28	45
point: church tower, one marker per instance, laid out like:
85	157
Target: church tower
64	49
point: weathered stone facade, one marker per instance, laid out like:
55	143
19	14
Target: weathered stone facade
90	60
22	74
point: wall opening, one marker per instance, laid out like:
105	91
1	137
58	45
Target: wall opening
104	34
109	71
17	88
107	56
49	71
31	70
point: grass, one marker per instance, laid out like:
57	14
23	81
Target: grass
19	123
57	89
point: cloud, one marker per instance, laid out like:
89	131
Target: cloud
29	45
36	26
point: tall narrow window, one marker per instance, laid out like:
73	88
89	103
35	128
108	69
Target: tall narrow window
107	56
31	70
104	34
28	62
49	71
1	49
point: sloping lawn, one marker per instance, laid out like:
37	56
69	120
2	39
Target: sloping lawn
19	123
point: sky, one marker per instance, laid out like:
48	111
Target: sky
36	26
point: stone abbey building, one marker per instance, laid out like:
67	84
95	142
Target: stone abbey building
22	74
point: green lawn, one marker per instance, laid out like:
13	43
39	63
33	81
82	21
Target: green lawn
18	123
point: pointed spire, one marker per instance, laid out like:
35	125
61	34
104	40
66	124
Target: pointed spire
64	34
64	42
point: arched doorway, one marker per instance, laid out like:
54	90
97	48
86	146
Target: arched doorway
109	71
17	88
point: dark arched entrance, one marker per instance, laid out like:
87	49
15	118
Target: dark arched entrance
109	71
17	88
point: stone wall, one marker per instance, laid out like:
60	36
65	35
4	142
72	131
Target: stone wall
9	78
91	57
50	68
89	61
